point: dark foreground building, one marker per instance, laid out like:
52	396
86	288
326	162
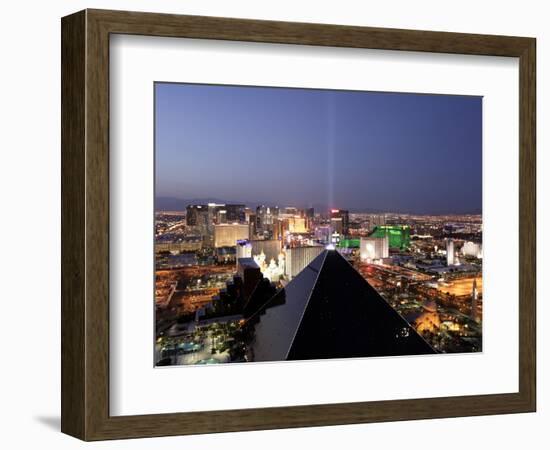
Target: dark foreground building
330	311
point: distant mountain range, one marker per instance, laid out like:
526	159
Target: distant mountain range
179	204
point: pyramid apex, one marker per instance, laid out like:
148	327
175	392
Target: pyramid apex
330	311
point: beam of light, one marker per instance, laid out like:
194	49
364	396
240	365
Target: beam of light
331	146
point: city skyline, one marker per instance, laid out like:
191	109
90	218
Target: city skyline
320	148
300	224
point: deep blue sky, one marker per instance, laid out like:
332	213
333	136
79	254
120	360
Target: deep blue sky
305	147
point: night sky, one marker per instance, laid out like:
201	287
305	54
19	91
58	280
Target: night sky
360	151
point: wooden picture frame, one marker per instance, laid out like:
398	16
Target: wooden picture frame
85	224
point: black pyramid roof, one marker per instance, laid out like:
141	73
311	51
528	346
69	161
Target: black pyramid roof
330	311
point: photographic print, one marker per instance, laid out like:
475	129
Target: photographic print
307	224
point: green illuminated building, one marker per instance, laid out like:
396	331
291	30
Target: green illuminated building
399	236
349	243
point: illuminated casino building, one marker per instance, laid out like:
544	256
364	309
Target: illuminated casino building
235	213
297	224
267	255
252	222
374	248
298	258
221	216
205	216
472	249
349	243
271	248
452	257
213	210
272	269
399	236
339	221
322	234
194	214
265	218
310	216
244	250
227	235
